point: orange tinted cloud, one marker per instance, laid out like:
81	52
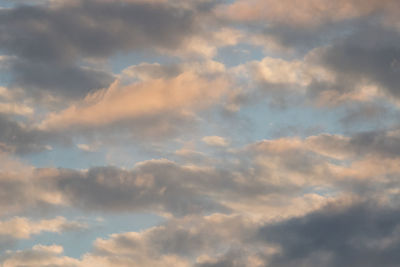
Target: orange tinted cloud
182	94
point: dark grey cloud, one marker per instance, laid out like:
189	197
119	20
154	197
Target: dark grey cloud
363	234
50	41
358	52
13	193
67	80
158	186
303	39
370	54
367	114
153	186
20	139
379	142
92	29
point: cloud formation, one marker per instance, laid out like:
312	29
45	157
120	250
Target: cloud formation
145	100
22	228
364	234
39	255
47	43
199	133
309	13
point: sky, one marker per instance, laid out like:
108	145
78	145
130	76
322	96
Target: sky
204	133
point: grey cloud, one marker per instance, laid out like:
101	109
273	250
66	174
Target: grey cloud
50	41
67	80
165	186
187	238
179	241
157	186
12	194
363	165
92	29
153	186
371	53
363	234
360	52
380	142
24	194
268	173
39	255
233	258
369	114
19	139
306	25
303	39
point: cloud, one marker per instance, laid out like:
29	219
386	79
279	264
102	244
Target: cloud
17	229
367	57
278	79
151	186
20	138
146	102
278	71
361	234
271	174
215	141
367	114
152	99
276	183
360	66
327	199
291	28
23	228
39	255
309	13
377	143
180	242
341	233
10	103
49	45
58	79
125	26
339	166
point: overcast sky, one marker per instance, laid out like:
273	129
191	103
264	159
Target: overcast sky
226	133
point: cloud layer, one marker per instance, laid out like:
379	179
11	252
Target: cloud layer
258	133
